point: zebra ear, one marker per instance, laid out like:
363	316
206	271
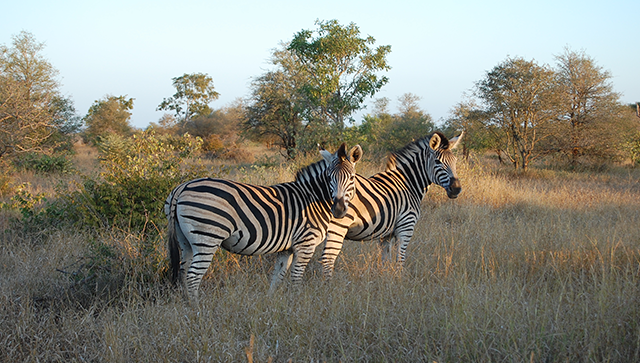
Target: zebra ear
355	154
455	141
435	141
342	152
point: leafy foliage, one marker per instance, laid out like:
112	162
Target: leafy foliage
193	94
381	132
108	116
138	174
342	68
34	116
42	163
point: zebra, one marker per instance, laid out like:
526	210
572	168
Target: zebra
387	205
205	214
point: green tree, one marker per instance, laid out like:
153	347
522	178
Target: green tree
521	100
372	130
274	113
342	68
590	123
410	124
468	117
109	115
33	114
193	94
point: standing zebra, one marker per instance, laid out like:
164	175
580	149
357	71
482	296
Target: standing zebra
387	205
205	214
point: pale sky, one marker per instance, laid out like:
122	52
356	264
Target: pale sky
439	49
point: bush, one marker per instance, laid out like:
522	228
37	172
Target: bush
41	163
138	175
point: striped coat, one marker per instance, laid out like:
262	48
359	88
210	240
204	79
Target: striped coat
207	214
387	205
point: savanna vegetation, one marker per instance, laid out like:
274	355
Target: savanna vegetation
537	260
543	266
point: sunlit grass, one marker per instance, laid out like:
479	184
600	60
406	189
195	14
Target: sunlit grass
537	267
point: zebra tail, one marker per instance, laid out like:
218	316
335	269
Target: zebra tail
174	245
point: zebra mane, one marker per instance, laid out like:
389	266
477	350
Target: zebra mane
311	171
409	151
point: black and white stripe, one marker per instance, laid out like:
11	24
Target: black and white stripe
205	214
387	205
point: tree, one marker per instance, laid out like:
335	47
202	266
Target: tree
193	94
342	69
276	111
371	132
408	125
468	117
219	129
590	106
521	102
32	110
109	115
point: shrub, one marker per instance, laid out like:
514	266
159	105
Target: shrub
42	163
138	174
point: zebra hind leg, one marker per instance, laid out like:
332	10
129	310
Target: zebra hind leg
186	256
203	251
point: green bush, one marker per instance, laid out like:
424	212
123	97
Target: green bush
138	175
42	163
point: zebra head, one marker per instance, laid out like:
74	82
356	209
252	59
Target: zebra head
442	163
341	174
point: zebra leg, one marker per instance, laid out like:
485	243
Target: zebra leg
301	257
332	247
186	255
203	249
283	262
403	237
386	244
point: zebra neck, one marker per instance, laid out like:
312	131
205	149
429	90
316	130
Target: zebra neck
413	169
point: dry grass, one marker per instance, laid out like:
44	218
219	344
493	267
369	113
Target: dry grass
542	267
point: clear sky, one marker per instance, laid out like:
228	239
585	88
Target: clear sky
439	49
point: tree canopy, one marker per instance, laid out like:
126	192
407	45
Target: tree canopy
342	68
194	93
521	102
33	112
109	115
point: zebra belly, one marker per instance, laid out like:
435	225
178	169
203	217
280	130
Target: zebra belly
358	231
244	242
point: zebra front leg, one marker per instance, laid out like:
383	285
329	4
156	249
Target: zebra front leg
332	248
336	232
403	237
283	262
301	257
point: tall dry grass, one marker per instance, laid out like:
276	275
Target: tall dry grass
536	267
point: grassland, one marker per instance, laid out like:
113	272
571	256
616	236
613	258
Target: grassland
542	267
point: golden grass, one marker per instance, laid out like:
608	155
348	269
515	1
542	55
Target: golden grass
536	267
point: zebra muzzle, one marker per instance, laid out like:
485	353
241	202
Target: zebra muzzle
454	189
339	208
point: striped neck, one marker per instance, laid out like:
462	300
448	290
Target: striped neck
413	161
